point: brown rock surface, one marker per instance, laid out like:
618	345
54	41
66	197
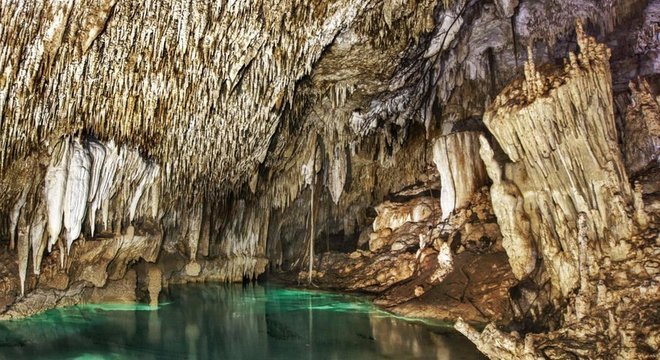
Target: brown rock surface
432	269
114	291
641	134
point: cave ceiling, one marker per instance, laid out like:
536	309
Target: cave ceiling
224	94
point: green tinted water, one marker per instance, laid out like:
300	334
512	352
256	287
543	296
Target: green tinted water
213	321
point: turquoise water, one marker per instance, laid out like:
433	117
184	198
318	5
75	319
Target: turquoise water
215	321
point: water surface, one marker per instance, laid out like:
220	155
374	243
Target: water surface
216	321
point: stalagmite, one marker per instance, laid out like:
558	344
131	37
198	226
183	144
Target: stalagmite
585	295
77	191
194	231
155	280
55	189
445	263
462	172
194	227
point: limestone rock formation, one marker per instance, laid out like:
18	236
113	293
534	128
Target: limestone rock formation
571	164
581	210
462	172
514	223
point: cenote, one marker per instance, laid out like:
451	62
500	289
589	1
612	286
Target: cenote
218	321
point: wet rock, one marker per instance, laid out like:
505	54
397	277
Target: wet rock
114	291
154	284
193	269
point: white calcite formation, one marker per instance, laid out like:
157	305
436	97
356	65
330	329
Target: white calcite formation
55	189
77	190
38	241
566	194
462	171
337	172
14	215
23	249
82	174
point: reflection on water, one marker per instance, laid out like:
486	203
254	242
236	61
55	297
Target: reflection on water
213	321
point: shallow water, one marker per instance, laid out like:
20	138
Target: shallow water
214	321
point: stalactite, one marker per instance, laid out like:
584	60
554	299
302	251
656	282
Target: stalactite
148	176
462	172
97	154
55	189
77	191
37	239
23	245
14	215
112	163
337	172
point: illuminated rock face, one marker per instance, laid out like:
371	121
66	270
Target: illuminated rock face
560	135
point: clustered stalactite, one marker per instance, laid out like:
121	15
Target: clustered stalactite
68	186
169	76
